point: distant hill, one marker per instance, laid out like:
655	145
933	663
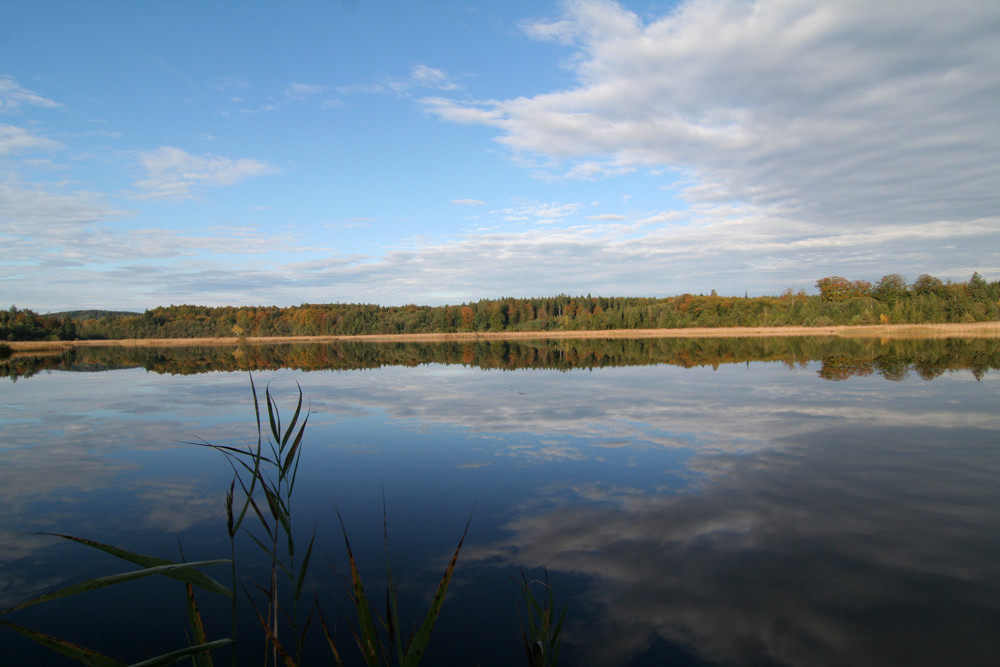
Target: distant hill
80	315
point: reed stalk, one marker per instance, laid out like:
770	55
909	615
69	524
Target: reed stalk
379	638
264	476
540	628
189	573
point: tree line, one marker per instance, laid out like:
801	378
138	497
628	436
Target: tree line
892	300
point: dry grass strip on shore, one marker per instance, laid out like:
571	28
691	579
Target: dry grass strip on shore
969	330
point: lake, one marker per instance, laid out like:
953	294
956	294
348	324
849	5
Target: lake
799	501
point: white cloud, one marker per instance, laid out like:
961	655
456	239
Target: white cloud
175	174
232	83
293	93
468	202
486	113
299	92
15	139
13	95
430	77
541	213
847	111
420	77
29	209
590	170
751	250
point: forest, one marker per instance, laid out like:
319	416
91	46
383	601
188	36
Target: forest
891	300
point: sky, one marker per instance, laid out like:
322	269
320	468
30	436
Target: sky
381	151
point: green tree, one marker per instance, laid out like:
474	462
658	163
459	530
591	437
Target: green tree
890	288
834	288
926	284
978	288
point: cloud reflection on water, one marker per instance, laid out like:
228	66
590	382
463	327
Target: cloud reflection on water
846	546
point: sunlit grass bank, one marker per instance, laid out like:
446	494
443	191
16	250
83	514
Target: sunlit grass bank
958	330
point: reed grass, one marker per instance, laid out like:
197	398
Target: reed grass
379	638
541	630
189	573
272	473
990	329
268	475
259	506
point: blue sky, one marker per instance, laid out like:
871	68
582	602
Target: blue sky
257	153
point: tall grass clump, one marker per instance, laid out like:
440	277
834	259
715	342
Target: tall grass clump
266	477
380	639
259	506
540	628
188	573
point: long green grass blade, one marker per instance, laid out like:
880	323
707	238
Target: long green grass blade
234	453
556	642
111	580
265	548
256	457
296	455
290	456
180	654
235	461
528	635
203	659
196	577
275	642
295	417
305	632
420	640
263	521
273	417
329	637
304	568
392	620
542	642
272	503
260	435
256	403
76	652
368	638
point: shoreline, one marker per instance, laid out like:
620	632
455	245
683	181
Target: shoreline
964	330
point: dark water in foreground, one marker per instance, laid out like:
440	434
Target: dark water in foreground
800	502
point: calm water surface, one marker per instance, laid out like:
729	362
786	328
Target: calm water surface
789	506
